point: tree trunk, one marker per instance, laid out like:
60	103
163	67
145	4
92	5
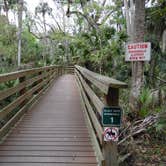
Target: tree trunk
127	18
45	41
164	41
129	12
20	11
137	67
6	9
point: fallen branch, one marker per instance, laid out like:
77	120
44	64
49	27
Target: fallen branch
123	158
138	127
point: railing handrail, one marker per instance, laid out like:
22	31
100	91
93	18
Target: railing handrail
29	85
102	82
12	75
93	105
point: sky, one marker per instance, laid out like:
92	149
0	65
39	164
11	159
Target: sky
31	4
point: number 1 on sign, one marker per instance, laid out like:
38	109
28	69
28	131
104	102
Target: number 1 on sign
112	120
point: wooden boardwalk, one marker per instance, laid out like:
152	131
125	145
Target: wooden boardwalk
52	133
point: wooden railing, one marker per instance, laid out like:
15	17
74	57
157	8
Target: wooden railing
68	69
108	88
19	90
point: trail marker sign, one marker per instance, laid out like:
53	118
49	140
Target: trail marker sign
111	116
138	51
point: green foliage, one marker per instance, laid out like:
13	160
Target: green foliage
7	41
31	48
97	42
156	18
145	97
100	48
156	67
145	100
161	125
43	9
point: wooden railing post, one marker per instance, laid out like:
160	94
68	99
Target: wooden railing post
38	82
22	91
110	151
49	76
55	73
22	79
59	71
112	98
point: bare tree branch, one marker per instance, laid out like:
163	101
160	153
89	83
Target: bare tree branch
104	2
106	17
139	127
90	21
56	22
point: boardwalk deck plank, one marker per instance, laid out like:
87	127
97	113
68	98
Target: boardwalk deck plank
52	133
46	164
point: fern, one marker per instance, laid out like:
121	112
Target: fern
145	100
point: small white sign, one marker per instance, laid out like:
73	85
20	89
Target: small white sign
138	51
111	134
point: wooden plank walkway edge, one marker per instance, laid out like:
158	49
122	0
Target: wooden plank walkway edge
97	150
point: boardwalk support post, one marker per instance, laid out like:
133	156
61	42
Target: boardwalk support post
38	82
110	151
22	79
22	91
60	71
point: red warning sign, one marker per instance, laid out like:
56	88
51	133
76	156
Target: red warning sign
138	51
111	134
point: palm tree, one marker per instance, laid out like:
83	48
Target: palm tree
7	5
20	11
1	5
43	9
